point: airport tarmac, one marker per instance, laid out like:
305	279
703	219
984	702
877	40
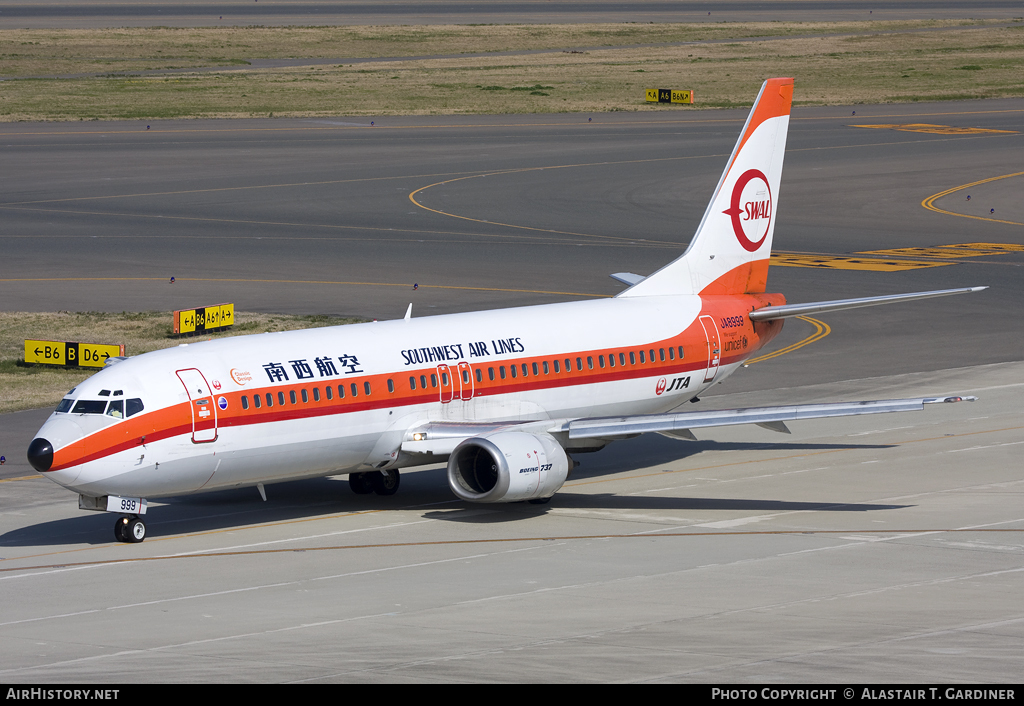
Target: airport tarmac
873	549
868	549
338	217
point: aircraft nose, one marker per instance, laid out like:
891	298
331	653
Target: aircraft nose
40	454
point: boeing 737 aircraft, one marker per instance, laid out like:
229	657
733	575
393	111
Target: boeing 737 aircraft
505	397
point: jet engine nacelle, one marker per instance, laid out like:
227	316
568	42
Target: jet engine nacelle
506	467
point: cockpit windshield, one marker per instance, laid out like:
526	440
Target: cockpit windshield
118	409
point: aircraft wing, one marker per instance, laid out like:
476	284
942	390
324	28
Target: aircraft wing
781	312
679	423
440	438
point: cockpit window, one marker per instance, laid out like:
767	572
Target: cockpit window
89	407
116	409
132	406
65	405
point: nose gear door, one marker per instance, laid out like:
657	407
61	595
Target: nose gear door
202	404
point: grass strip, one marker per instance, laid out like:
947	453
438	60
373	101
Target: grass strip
834	63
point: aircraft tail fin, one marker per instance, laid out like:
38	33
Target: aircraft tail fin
729	252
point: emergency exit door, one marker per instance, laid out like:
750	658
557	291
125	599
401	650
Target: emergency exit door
714	346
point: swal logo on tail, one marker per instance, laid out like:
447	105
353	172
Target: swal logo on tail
751	209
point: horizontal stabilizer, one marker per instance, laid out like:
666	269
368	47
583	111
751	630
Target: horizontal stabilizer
763	416
628	278
780	312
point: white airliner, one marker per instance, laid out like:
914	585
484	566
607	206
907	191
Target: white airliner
504	396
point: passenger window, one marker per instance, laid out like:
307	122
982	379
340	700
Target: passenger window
257	402
622	359
465	377
391	385
270	399
632	358
545	364
366	387
316	394
291	396
280	398
512	369
590	362
245	402
330	392
600	360
423	381
611	360
568	365
671	354
579	364
305	395
501	371
642	359
556	366
433	379
116	409
535	373
680	352
490	373
479	375
355	390
652	355
661	354
341	392
412	382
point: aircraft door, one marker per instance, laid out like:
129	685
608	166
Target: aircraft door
444	373
714	346
202	404
466	380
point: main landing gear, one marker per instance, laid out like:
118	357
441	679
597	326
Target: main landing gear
129	529
379	482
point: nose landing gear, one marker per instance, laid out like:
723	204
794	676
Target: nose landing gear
129	529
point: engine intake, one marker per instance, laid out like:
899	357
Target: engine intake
507	466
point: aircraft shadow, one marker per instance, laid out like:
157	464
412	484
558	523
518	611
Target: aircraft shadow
608	501
644	452
306	499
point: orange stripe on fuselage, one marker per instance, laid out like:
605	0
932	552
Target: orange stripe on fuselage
730	313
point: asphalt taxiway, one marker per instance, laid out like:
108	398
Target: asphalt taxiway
17	14
884	549
871	549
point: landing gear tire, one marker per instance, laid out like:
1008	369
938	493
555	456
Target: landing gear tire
360	483
130	530
135	530
385	482
119	529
